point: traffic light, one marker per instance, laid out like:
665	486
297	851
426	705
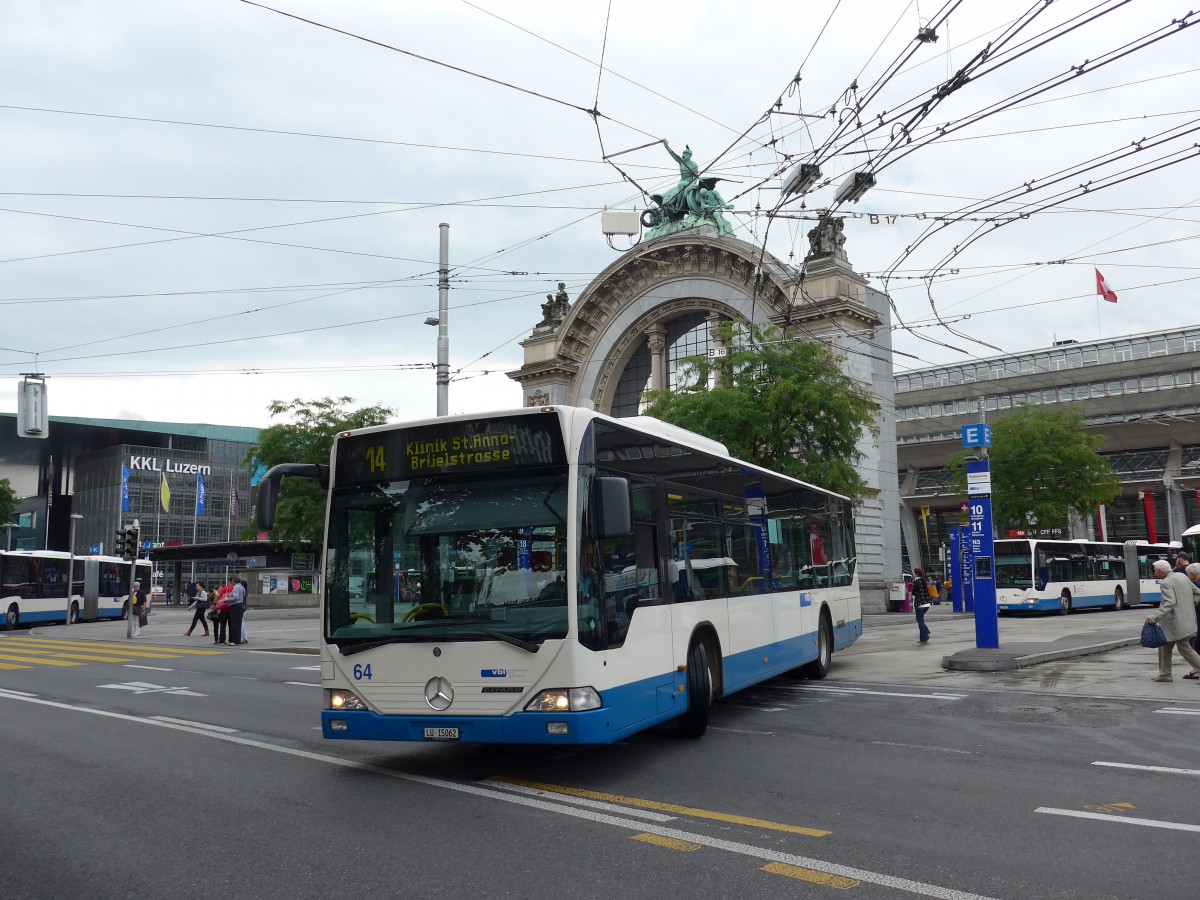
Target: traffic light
127	542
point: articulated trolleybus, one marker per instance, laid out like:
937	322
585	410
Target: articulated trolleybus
33	587
552	575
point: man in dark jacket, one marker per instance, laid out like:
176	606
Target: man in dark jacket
139	608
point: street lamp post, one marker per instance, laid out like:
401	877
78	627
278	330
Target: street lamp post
75	517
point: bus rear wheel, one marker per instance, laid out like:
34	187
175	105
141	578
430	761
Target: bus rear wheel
694	722
12	617
1064	603
1118	599
73	614
819	667
125	610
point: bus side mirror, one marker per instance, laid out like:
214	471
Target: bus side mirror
268	488
613	517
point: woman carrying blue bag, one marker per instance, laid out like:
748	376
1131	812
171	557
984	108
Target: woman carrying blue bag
1176	615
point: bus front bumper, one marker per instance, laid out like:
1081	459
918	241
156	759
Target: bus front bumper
589	727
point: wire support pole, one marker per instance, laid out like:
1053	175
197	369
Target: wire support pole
443	338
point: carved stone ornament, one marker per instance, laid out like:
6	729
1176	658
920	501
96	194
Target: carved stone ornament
538	398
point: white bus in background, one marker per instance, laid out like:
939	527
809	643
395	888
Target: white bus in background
1063	576
33	587
581	578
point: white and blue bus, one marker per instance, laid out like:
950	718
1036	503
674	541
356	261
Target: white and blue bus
568	578
1062	576
33	587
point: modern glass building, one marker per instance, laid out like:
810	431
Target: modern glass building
1140	392
112	471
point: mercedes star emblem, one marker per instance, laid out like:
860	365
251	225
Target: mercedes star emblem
439	693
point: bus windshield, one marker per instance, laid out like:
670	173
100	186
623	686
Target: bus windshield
449	558
1014	568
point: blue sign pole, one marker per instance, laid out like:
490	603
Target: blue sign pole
979	500
956	591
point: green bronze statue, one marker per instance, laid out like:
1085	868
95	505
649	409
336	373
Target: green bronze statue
693	202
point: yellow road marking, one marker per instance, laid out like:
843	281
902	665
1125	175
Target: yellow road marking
67	648
666	807
47	654
6	667
44	662
112	647
834	881
670	843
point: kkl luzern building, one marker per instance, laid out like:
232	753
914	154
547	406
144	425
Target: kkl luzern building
185	484
1140	392
662	302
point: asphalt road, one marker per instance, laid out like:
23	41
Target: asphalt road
144	770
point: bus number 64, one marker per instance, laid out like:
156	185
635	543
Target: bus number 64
361	672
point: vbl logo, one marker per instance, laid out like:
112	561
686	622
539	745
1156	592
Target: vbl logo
493	673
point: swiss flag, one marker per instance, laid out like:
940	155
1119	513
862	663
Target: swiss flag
1103	289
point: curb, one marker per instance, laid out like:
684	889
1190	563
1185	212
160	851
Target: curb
1000	661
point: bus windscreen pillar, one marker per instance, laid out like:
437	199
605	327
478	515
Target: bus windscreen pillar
979	532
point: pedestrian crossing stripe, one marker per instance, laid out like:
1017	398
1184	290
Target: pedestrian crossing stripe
41	661
36	653
8	667
141	649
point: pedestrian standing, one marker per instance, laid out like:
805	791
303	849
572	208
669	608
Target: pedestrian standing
220	620
237	609
921	604
1176	614
200	605
168	595
246	587
138	609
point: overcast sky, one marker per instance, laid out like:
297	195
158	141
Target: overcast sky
273	232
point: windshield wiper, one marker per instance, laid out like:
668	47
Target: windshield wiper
528	646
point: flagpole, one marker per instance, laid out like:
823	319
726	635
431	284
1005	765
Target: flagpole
195	521
1099	333
229	511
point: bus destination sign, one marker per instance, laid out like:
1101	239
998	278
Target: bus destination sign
461	445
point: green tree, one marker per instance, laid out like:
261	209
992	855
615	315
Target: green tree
778	402
1044	462
8	500
306	438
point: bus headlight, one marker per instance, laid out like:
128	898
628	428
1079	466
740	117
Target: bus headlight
564	700
343	700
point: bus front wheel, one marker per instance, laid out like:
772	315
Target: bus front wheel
73	614
1118	599
819	667
12	617
125	611
694	722
1064	603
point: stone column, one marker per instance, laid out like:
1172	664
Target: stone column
656	338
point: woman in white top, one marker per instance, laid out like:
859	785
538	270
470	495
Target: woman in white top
200	605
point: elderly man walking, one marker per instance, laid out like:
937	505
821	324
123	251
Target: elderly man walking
1176	614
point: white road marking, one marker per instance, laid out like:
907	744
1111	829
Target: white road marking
1179	711
922	747
742	731
316	668
304	683
16	693
580	801
144	687
763	853
219	728
152	668
1124	820
755	707
863	692
1166	770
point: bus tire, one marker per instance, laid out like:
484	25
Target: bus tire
694	721
12	618
124	610
819	667
1118	599
73	613
1064	603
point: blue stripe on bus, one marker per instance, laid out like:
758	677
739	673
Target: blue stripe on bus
627	709
54	615
1052	604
